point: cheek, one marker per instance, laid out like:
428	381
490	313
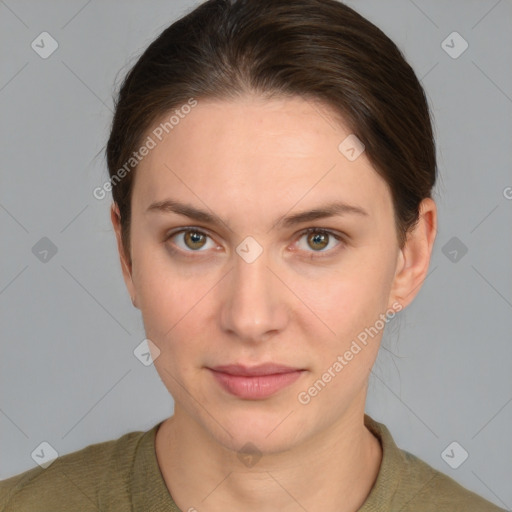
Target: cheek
177	310
173	311
167	295
352	297
350	304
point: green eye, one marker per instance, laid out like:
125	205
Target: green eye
191	240
312	240
194	239
319	239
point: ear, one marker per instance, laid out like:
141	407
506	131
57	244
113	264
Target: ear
126	264
414	259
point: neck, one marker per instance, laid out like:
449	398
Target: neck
333	471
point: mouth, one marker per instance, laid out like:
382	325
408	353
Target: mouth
255	382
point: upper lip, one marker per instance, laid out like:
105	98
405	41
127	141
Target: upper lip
252	371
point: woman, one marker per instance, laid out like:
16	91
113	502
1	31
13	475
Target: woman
271	165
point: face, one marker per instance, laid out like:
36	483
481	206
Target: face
256	241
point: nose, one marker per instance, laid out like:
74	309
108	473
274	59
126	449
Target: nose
254	307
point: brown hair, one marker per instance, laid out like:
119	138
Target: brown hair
317	49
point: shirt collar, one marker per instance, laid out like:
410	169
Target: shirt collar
388	479
148	487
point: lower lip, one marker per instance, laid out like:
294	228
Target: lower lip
257	387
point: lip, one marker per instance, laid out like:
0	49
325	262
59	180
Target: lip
255	382
252	371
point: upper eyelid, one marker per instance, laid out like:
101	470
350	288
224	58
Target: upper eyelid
178	231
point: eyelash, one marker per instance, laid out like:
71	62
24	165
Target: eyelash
314	254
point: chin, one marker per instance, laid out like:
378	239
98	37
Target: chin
269	429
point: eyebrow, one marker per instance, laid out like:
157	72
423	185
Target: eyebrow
320	212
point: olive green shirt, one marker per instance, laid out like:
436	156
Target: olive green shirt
123	475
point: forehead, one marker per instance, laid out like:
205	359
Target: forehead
254	152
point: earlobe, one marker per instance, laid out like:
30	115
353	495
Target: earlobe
414	258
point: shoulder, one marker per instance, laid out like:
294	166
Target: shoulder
408	484
77	480
428	489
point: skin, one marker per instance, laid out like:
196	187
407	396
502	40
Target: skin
252	161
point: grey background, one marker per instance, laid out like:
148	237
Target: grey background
68	374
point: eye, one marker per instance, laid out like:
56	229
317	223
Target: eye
191	240
319	240
312	240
